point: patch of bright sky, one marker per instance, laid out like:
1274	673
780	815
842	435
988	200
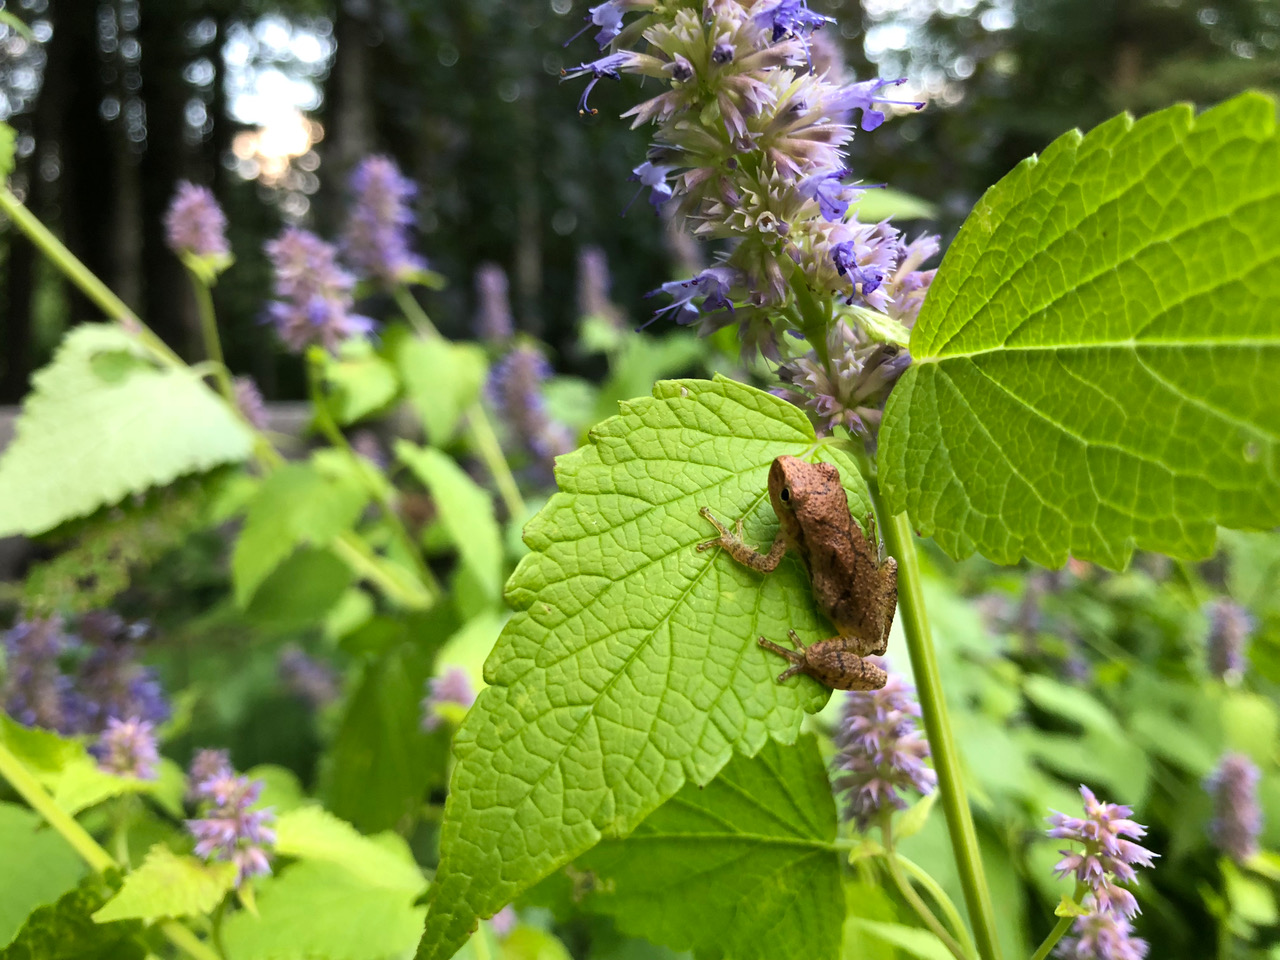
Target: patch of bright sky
275	68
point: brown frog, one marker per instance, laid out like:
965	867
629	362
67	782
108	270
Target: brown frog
855	589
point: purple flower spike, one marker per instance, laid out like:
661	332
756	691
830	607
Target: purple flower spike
34	691
194	223
377	236
515	389
1100	935
127	748
229	830
1237	820
1230	628
451	687
314	304
309	678
881	753
1107	856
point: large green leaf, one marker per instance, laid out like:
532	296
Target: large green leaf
745	867
631	665
315	910
312	833
168	885
102	422
1095	365
442	379
296	504
39	867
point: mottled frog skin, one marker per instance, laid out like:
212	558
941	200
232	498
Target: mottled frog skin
855	589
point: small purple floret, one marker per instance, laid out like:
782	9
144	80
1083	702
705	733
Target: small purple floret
229	830
127	748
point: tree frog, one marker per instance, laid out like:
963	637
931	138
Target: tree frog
851	584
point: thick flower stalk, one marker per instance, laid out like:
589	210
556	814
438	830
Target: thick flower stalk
749	148
1237	816
229	829
376	241
880	752
314	302
127	748
1108	855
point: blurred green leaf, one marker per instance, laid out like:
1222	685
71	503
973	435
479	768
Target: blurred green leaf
312	833
914	941
320	911
39	867
1249	725
169	885
1092	359
911	822
465	509
281	790
745	867
866	901
881	203
83	442
82	784
300	591
295	505
43	753
442	379
361	380
65	930
1069	703
1251	900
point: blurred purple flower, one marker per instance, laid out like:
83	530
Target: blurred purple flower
880	751
377	236
504	921
127	748
314	294
250	403
110	683
1107	857
451	687
309	678
1230	629
1101	935
229	830
493	304
194	223
1237	819
35	692
515	388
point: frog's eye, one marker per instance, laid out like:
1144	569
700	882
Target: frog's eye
785	495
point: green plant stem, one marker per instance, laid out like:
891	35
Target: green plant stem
486	442
952	914
481	428
1059	929
82	276
900	541
28	787
329	427
909	892
212	342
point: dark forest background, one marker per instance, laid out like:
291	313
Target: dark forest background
117	100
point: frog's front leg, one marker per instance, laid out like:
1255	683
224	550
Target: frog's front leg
739	549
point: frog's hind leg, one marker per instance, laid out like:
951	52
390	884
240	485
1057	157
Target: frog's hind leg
796	657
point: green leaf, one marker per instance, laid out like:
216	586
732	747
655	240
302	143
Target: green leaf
82	784
884	202
169	885
1069	908
319	911
295	505
916	816
84	441
631	664
381	763
1095	360
312	833
301	590
1069	703
66	931
44	753
466	511
745	867
39	867
442	379
916	942
362	381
